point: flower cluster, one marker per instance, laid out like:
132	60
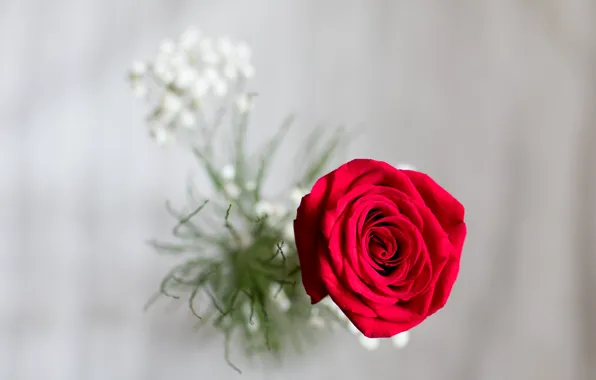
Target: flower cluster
190	80
246	265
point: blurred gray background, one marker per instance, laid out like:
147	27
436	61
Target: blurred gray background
493	98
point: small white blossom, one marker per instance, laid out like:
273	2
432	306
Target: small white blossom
171	102
163	72
250	186
178	61
187	119
161	135
280	298
230	71
401	340
297	194
208	53
244	103
232	190
370	344
220	88
248	71
187	76
289	232
263	208
200	88
228	172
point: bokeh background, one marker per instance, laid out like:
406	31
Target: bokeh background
493	98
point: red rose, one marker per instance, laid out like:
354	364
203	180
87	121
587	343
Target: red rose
384	243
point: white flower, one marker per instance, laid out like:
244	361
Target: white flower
190	38
369	343
140	90
167	47
178	61
250	186
186	77
200	88
278	210
161	135
187	119
163	71
211	75
220	88
263	208
289	232
244	103
139	68
297	194
171	102
208	53
405	166
401	340
232	190
248	70
253	325
230	71
280	298
228	172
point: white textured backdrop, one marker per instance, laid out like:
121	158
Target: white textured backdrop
493	98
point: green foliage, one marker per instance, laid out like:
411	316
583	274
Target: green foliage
238	272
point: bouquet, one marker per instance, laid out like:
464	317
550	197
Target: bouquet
364	246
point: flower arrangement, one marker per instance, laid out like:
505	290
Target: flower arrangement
366	247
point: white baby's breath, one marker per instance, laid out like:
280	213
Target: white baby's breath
220	88
263	208
171	102
370	344
193	75
200	88
161	135
228	172
232	190
401	340
187	76
248	71
244	103
297	194
188	119
280	298
289	232
250	185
